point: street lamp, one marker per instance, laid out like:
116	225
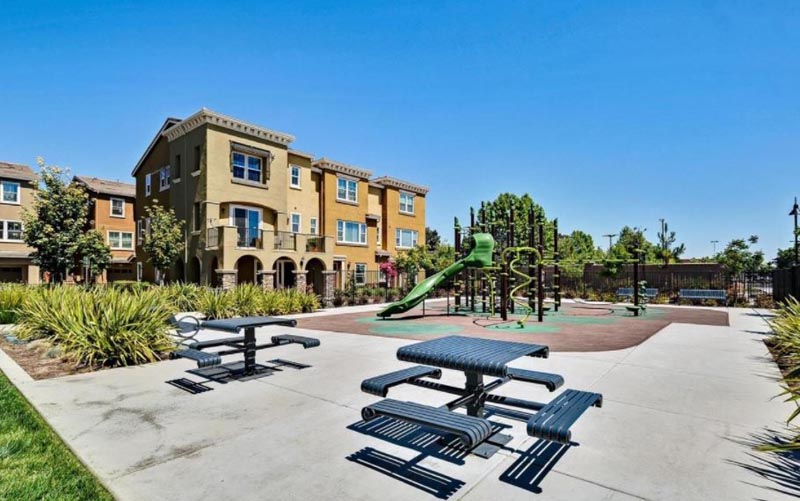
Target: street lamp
714	243
795	212
609	236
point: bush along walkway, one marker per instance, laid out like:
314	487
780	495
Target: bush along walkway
34	462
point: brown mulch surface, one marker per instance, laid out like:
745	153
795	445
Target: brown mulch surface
36	363
614	331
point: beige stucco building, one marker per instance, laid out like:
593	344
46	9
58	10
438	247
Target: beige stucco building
17	187
256	210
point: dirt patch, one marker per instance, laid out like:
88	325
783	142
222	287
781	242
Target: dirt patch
34	360
573	328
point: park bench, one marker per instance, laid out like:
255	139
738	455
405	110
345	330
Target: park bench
244	344
477	358
717	294
628	292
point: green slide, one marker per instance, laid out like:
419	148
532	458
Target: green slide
480	257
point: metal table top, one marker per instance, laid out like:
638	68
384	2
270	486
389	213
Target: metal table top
237	324
469	354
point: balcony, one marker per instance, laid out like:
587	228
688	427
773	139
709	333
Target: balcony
316	243
258	239
285	241
249	238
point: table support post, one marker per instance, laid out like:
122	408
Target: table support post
474	386
249	351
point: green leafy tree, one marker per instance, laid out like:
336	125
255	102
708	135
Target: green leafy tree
667	250
497	211
93	250
164	242
630	243
432	239
785	258
55	224
739	257
576	250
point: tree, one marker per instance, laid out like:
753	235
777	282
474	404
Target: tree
432	239
630	244
55	224
497	211
785	258
575	250
164	242
666	252
93	250
738	257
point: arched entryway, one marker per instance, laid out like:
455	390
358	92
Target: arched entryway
179	275
194	271
314	278
213	277
247	268
284	273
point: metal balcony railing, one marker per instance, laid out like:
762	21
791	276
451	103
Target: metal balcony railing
249	238
315	243
285	240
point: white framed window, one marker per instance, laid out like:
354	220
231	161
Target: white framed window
163	178
294	176
148	189
11	231
312	226
361	274
347	190
296	222
10	193
120	240
351	232
246	167
405	239
117	207
247	221
406	203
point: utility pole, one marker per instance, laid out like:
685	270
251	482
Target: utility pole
714	243
609	237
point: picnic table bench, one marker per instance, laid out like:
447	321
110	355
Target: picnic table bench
245	344
718	294
477	358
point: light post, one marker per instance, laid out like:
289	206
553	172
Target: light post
795	212
609	236
714	243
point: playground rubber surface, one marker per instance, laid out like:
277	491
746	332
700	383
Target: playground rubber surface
575	327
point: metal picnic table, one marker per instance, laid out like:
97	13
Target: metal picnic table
476	358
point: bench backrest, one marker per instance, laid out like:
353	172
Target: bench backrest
703	294
628	291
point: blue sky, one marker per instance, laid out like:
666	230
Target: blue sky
607	113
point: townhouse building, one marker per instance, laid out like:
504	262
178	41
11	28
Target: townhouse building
112	212
255	210
17	187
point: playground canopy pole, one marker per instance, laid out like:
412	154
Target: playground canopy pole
471	273
512	240
556	269
540	273
483	284
636	284
457	245
531	243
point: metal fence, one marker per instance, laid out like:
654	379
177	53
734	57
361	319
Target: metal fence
785	283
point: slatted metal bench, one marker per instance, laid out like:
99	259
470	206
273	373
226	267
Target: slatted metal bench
628	292
552	422
718	294
550	381
203	359
470	430
380	385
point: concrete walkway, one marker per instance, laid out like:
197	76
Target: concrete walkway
679	414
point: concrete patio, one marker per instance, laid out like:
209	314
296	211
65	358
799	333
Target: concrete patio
680	414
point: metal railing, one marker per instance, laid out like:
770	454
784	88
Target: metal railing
315	243
285	240
249	238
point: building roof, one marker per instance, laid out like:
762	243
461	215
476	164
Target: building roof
350	170
107	187
303	154
400	184
19	172
206	116
168	123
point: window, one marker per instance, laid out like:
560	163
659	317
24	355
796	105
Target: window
407	203
294	176
361	274
405	239
296	223
379	239
139	271
163	178
347	190
147	187
248	226
117	207
197	217
120	240
312	226
177	166
139	232
197	159
11	231
246	167
350	232
10	192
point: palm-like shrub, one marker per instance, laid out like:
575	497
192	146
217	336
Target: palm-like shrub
215	303
100	326
11	298
183	296
786	343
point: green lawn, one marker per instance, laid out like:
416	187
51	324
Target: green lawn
34	462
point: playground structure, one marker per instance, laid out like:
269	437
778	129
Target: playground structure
500	268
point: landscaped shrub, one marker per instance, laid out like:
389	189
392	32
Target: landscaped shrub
184	297
130	285
11	298
98	326
785	343
214	303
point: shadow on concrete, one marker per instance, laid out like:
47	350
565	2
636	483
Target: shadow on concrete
533	465
409	472
781	470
